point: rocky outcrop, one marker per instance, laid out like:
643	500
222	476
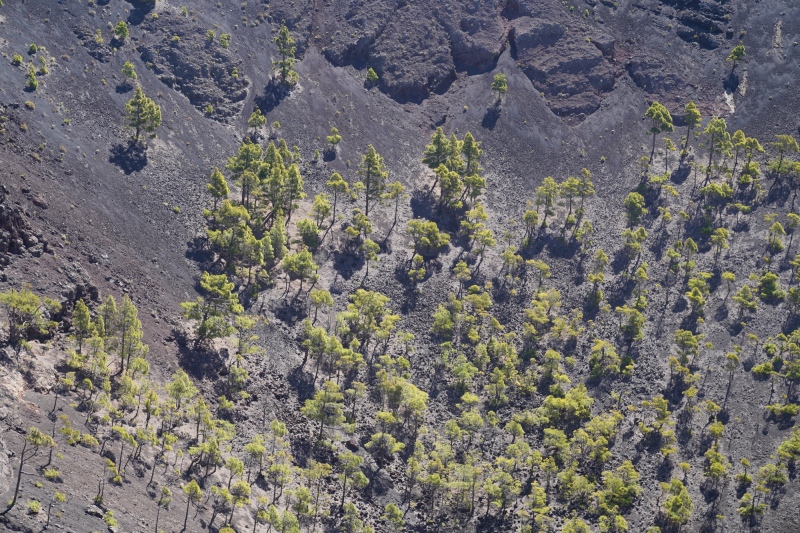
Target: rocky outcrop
95	44
16	236
416	48
653	75
179	52
700	21
571	69
407	70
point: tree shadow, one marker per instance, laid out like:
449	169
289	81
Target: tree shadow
291	310
274	93
130	157
731	83
198	252
347	263
123	88
140	10
680	174
199	362
491	116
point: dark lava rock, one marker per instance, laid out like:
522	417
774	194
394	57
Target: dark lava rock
568	68
412	58
177	50
650	73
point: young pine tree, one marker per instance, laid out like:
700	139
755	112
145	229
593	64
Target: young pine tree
143	114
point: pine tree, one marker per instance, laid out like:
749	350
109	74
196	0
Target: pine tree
718	141
129	71
213	310
373	173
471	150
278	239
256	120
737	54
121	30
326	407
660	121
143	114
285	64
218	187
339	187
500	86
194	495
34	441
692	117
129	333
438	151
81	324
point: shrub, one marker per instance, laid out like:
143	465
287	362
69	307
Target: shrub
17	60
32	83
30	105
372	76
34	507
121	30
32	49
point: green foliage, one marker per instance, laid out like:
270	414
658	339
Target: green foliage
372	76
31	82
769	289
214	310
129	71
620	488
678	504
499	85
257	119
393	516
634	208
373	176
326	407
299	265
633	326
737	54
143	115
334	138
309	232
660	122
34	507
426	237
604	360
121	30
27	314
286	50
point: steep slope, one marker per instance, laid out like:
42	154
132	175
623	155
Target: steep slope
86	215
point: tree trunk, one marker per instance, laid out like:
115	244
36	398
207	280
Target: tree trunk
186	516
19	479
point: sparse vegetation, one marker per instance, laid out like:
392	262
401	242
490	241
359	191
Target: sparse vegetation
376	344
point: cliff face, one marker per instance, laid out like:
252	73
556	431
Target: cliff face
572	53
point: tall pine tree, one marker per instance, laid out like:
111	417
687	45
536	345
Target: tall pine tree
373	173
